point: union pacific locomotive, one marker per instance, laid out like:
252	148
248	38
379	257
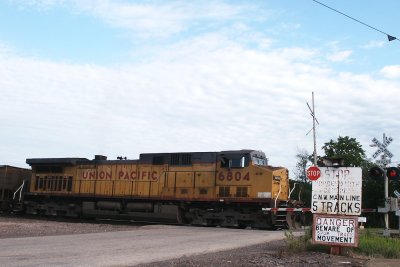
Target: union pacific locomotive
227	188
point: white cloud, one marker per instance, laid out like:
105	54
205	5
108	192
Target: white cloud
290	26
151	19
5	48
339	56
202	94
208	92
391	72
374	44
40	4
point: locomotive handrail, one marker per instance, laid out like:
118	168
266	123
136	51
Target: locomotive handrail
20	191
291	191
280	189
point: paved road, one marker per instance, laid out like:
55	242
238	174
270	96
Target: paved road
126	248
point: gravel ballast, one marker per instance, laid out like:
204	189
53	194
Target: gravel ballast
267	254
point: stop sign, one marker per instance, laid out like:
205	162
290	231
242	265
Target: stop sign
313	173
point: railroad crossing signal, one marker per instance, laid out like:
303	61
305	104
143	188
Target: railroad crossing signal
382	147
383	162
376	173
393	173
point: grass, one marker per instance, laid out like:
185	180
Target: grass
375	245
303	242
371	244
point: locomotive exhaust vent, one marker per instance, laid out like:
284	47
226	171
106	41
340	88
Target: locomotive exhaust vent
100	157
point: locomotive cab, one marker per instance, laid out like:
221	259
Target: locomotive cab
250	169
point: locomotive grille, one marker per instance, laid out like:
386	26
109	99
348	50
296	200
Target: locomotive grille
241	192
181	159
203	191
224	191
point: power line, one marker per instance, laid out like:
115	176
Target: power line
390	37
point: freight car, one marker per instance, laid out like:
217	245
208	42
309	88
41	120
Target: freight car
11	179
227	188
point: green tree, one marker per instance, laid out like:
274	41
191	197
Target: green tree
303	158
301	184
348	149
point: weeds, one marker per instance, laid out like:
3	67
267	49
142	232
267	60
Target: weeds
295	244
370	244
375	245
302	242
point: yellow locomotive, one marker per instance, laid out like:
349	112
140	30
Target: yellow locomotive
227	188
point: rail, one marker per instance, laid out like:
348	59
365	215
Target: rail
20	191
309	209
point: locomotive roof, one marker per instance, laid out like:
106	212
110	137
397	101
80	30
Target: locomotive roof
73	161
243	151
55	161
200	157
226	152
196	157
13	167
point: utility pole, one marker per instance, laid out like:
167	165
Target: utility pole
313	129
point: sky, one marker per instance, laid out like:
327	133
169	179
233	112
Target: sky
120	78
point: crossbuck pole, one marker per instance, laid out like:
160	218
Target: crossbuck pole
386	216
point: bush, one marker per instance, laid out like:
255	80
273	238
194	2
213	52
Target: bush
295	244
303	242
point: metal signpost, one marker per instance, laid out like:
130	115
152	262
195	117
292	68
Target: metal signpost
397	212
385	160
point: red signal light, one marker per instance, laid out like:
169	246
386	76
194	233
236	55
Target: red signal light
393	173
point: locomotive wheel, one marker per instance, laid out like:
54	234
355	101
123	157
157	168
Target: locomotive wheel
180	216
242	225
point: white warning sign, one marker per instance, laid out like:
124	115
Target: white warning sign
337	191
335	230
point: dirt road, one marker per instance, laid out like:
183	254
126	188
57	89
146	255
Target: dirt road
33	242
126	248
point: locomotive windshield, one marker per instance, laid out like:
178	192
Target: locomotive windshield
241	159
236	162
259	159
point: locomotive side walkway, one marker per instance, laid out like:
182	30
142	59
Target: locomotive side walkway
126	248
